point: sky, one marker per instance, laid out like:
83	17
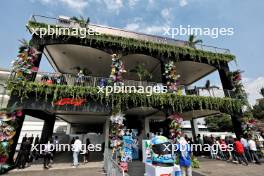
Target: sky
151	16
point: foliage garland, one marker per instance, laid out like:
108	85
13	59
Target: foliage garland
122	101
132	44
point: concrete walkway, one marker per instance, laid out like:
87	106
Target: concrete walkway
63	166
222	168
59	172
209	168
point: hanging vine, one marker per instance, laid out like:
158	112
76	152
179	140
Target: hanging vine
121	100
136	44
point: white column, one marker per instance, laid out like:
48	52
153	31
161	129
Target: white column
68	132
195	129
146	125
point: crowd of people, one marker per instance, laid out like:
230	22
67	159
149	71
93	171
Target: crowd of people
230	148
27	154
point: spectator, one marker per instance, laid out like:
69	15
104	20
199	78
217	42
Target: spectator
253	150
239	151
185	162
77	147
87	153
47	155
245	144
55	143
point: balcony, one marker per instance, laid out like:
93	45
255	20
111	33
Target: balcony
67	22
92	81
50	88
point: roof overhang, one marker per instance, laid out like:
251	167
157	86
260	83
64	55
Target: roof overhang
65	58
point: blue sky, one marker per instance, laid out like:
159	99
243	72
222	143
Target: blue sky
150	16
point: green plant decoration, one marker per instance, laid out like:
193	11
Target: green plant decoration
141	72
24	65
121	101
238	89
192	41
81	20
132	44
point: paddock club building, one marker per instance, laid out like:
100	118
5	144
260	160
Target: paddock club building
131	59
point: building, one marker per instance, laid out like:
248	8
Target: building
76	99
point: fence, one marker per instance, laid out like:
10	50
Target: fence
110	165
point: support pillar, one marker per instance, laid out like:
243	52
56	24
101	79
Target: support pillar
107	125
195	128
237	124
68	132
48	127
146	125
227	85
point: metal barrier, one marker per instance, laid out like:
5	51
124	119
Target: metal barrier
110	165
92	81
71	79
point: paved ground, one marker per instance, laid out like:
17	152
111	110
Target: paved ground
60	172
210	168
221	168
136	168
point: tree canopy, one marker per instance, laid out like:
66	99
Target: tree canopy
221	123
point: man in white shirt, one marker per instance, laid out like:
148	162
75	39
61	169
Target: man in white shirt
244	142
76	148
253	150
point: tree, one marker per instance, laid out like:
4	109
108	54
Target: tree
262	91
192	41
221	123
258	110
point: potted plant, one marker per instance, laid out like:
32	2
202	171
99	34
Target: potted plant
141	72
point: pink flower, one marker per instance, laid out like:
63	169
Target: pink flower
19	113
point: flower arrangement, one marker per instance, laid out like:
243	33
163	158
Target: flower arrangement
175	124
171	76
238	89
8	124
116	131
24	65
118	69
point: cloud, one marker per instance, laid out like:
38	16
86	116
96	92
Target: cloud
114	5
132	26
76	5
252	87
165	13
132	3
145	28
183	3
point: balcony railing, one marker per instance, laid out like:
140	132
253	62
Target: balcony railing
66	22
75	80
